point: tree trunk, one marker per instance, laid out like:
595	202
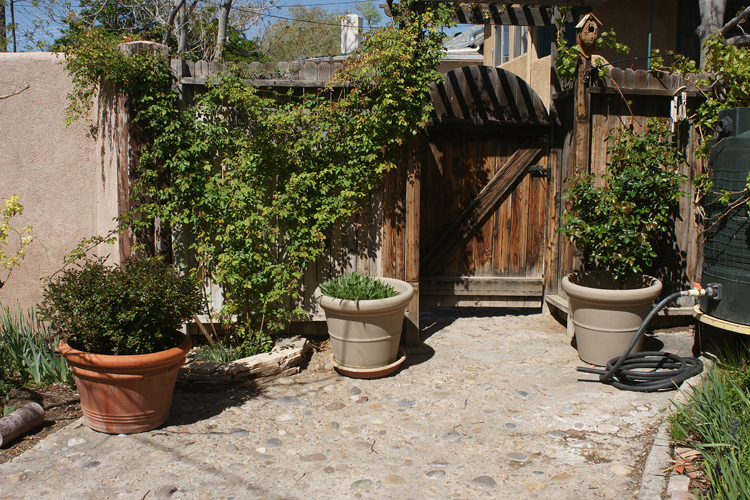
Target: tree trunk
178	4
712	19
3	35
182	45
13	24
221	37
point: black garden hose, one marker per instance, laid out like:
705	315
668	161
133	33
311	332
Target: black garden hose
665	371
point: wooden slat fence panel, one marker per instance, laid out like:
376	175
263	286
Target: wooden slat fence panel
650	95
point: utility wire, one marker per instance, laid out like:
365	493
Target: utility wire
322	23
315	4
309	22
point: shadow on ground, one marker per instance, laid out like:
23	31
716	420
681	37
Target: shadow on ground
191	404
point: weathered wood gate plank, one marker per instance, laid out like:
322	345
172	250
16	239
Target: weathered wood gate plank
483	286
485	201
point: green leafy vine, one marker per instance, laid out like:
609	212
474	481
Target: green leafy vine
251	184
725	84
22	235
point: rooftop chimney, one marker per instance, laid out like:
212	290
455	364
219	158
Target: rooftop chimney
351	26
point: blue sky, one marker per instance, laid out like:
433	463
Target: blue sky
25	15
348	7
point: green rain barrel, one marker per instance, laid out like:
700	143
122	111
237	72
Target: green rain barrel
726	247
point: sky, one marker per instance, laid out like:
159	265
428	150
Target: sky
26	15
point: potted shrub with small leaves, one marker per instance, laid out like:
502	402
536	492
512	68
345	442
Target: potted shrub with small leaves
365	317
615	227
121	338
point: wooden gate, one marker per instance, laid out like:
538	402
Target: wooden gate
474	225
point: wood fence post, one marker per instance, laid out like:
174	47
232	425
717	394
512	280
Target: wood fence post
582	125
129	144
412	229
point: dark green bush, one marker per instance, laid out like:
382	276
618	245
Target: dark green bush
134	309
357	287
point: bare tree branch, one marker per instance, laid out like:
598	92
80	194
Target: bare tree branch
712	15
734	22
739	41
170	20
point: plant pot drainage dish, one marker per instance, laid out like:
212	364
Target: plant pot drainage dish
119	327
370	372
365	332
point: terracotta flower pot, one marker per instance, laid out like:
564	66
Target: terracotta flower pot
605	316
126	394
366	333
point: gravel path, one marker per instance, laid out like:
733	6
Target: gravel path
488	406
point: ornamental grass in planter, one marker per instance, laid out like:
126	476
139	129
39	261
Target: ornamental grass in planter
365	317
615	227
120	337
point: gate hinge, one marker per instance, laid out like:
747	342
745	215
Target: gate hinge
540	170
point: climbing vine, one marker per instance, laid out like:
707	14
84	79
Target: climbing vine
724	84
8	231
250	182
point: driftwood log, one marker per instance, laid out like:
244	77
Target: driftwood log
20	422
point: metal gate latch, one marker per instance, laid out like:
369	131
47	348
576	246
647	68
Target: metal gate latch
540	170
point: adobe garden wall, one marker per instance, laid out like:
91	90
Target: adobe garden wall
64	176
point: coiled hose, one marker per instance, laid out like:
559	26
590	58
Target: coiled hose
666	371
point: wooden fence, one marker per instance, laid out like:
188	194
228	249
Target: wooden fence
384	238
619	100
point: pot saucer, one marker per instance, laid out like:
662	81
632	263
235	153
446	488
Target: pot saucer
381	371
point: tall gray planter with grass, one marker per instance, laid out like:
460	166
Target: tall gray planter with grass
365	334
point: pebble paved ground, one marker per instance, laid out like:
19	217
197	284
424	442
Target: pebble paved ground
487	407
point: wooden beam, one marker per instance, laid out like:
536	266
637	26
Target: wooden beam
582	124
483	286
505	13
462	228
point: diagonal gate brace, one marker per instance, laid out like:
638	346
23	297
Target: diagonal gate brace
463	227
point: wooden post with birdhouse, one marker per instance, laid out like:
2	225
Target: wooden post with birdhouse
587	32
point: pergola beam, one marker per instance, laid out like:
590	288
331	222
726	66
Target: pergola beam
518	13
535	3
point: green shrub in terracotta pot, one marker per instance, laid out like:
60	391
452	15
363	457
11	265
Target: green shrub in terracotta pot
615	227
365	318
121	339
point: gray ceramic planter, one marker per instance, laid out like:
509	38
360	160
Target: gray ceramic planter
365	334
606	317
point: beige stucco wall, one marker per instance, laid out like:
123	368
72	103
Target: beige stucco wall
64	177
534	71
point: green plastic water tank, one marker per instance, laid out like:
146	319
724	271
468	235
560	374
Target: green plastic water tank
726	247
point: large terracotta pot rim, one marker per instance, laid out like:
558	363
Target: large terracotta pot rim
586	286
406	291
124	363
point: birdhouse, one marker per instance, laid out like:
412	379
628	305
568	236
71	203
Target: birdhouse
587	32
